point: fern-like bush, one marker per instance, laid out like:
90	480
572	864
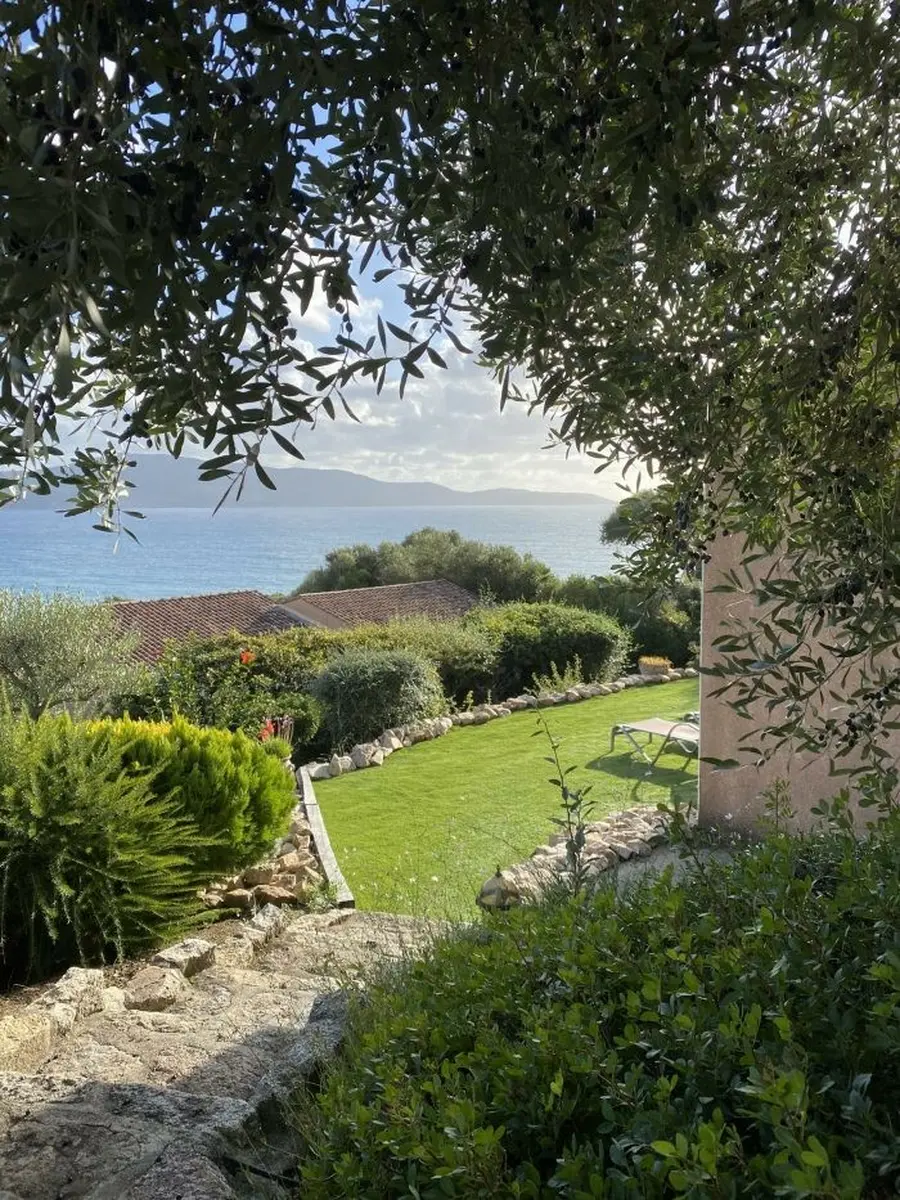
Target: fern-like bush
97	861
234	788
364	692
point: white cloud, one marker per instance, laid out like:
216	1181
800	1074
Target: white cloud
448	429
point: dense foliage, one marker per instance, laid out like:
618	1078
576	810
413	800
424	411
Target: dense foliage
629	521
234	789
59	651
734	1034
234	683
489	652
498	573
364	692
532	638
463	652
662	620
97	859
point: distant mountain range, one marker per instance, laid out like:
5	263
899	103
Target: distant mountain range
164	482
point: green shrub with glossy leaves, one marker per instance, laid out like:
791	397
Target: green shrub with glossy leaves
97	859
664	621
236	789
735	1034
363	692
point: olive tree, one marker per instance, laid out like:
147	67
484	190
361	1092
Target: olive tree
58	651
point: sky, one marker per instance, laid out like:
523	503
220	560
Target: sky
447	429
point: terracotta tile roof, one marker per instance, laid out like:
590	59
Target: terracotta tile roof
159	621
356	606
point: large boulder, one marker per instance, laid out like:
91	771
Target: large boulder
498	892
360	755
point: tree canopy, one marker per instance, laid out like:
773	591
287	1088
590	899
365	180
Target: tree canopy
677	223
632	517
499	573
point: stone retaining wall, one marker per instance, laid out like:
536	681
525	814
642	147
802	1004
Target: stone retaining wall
292	874
373	754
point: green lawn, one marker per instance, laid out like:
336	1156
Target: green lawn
422	833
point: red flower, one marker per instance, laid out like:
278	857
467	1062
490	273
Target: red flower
247	657
267	731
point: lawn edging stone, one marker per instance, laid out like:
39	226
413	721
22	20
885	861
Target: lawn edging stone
372	754
636	835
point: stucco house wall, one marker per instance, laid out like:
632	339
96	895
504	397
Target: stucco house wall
734	797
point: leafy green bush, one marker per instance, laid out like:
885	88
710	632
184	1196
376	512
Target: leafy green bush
363	692
465	654
531	638
234	682
96	860
666	622
732	1035
234	788
60	651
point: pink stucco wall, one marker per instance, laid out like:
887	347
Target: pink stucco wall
734	797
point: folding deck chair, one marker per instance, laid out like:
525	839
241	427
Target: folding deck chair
685	734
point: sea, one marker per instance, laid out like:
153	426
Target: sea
184	551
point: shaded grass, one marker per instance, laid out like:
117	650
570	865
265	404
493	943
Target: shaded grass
422	833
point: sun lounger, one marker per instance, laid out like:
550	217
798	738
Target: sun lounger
685	734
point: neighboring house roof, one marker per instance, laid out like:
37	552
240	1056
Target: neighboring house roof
174	619
358	606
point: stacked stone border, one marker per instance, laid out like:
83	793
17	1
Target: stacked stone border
630	835
373	754
30	1034
291	874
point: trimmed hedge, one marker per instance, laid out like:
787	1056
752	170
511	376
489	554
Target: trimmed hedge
491	652
733	1035
235	789
464	653
532	639
363	692
666	622
96	860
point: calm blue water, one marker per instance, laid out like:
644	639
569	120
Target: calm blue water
184	551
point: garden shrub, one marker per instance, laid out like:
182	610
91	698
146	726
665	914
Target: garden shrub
465	655
736	1034
96	860
234	788
234	682
533	638
363	692
665	622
